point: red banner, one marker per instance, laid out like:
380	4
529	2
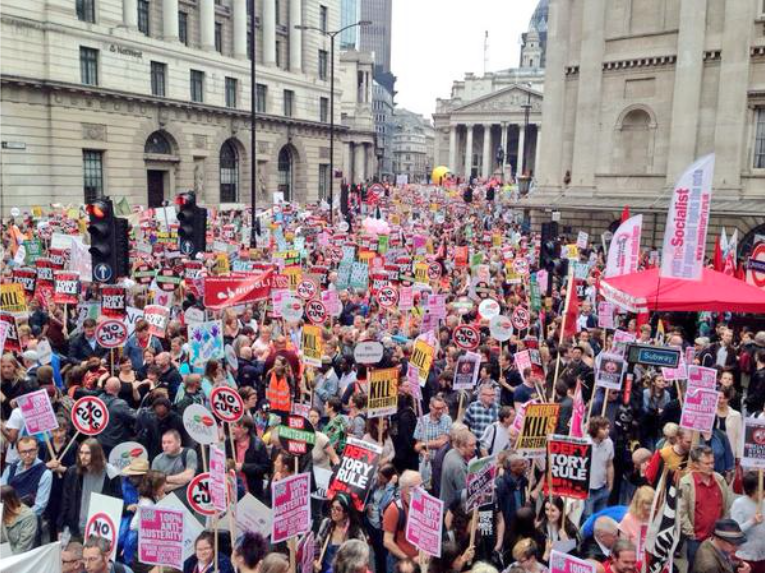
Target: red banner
223	292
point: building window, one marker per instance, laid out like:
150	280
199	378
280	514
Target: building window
759	143
219	37
278	8
86	10
249	44
89	66
197	86
323	58
92	174
323	109
260	98
183	28
158	74
230	92
143	16
229	173
324	19
323	181
278	54
158	144
289	102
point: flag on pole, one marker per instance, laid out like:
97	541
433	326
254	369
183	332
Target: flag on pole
664	531
718	257
685	236
570	326
625	214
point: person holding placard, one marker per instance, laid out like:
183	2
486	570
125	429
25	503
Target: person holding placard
250	456
89	475
342	525
203	560
150	491
395	517
748	511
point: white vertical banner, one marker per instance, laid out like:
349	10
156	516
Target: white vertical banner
685	236
624	251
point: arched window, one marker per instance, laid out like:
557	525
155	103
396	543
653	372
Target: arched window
634	140
158	144
286	172
229	173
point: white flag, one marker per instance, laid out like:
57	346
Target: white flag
624	251
685	237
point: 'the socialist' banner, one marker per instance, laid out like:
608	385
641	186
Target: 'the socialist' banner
685	236
624	251
223	292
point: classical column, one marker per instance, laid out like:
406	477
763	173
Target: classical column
170	20
240	29
296	36
486	167
359	158
554	102
351	173
469	152
521	149
538	146
436	147
452	148
130	14
206	24
504	147
732	112
269	32
687	91
587	136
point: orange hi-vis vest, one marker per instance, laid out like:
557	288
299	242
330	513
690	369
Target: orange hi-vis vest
278	394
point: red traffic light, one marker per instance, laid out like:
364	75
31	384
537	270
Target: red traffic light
185	199
98	210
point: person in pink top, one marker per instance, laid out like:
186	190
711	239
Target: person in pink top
636	518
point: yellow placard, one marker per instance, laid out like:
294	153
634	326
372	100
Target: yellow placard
538	423
572	252
295	275
496	240
383	392
313	345
422	358
421	273
221	264
12	298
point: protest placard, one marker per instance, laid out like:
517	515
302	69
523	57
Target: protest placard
37	412
383	392
565	563
538	423
699	409
570	462
606	315
466	373
218	478
206	342
296	435
251	515
609	372
312	345
480	482
291	503
702	377
423	528
754	444
157	317
305	550
422	358
66	287
356	472
104	517
13	298
160	537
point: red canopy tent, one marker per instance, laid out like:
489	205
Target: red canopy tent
715	292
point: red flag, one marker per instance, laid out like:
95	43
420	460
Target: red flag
572	310
718	257
625	213
642	318
730	265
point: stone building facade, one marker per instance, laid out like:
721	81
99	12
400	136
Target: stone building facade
500	110
412	145
147	98
634	93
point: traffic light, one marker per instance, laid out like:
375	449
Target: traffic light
109	245
192	225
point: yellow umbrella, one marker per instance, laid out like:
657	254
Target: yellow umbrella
439	174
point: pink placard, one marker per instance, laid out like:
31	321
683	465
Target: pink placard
405	298
606	315
160	537
699	409
413	380
291	503
423	528
702	377
37	412
218	478
564	563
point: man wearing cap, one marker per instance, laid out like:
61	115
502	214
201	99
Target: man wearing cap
718	553
704	499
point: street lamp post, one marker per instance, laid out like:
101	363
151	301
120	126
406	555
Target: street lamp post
332	36
253	137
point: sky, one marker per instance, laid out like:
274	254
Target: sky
436	41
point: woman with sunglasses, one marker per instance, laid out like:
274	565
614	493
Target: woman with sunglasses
342	524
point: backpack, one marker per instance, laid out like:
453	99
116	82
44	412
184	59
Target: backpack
395	500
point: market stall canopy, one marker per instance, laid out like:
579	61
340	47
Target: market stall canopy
715	292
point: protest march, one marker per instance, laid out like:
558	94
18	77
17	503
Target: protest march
417	381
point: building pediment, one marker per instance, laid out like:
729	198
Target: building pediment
510	99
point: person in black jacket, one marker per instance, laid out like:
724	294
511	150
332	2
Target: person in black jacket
88	475
84	345
251	457
755	400
402	434
122	417
154	422
168	374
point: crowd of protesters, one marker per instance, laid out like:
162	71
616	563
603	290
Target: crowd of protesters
638	445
